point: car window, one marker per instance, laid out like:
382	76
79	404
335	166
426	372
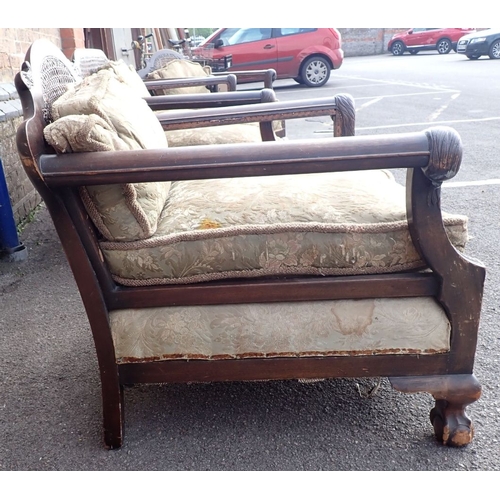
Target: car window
244	35
295	31
226	35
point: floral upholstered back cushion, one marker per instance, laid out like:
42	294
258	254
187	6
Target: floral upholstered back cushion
104	114
180	68
128	75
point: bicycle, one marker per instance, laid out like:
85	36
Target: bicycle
182	46
145	47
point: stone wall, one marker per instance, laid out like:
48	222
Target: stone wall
23	196
14	42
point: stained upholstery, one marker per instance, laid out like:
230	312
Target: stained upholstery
321	328
312	224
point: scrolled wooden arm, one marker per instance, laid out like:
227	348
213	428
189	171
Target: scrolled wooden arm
237	160
446	154
212	100
268	76
335	106
230	80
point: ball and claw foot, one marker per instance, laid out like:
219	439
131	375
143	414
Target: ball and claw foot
451	425
452	394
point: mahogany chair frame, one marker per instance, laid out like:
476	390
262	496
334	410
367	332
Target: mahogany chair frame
453	280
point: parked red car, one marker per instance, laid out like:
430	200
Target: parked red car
417	39
305	54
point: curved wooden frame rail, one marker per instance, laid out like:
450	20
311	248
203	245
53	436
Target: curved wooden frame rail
453	280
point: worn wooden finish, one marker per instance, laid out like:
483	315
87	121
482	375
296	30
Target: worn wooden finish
265	111
214	100
274	290
430	157
230	80
237	160
453	393
180	371
267	76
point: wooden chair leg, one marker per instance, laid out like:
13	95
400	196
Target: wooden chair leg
113	416
453	393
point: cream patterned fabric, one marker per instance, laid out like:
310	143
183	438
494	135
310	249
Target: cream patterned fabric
318	224
223	134
103	114
128	75
180	68
323	328
103	94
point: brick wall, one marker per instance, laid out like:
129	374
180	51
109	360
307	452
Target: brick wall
366	41
14	42
71	38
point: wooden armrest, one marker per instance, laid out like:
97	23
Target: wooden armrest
267	76
213	100
341	106
230	80
410	150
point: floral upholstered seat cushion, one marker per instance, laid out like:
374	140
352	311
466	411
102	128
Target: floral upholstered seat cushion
311	224
102	113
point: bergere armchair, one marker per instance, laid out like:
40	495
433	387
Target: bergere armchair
283	259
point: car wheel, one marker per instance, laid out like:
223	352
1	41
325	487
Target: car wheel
474	57
398	48
315	72
299	80
413	51
444	46
494	52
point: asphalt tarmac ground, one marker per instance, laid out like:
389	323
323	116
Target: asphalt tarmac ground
50	406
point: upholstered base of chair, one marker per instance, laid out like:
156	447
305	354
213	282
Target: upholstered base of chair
303	329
